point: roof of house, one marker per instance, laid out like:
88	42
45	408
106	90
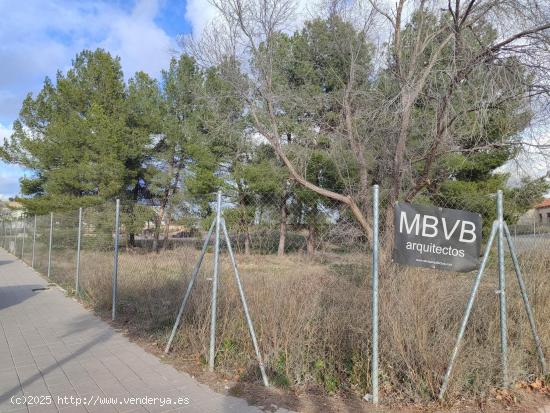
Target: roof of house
544	204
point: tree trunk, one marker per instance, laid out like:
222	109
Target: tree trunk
169	203
166	204
244	224
156	234
168	220
135	197
247	242
282	229
310	241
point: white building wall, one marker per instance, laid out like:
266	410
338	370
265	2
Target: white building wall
543	215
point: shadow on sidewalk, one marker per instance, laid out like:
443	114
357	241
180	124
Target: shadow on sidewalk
15	294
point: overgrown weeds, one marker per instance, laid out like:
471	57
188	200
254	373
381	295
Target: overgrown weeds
312	318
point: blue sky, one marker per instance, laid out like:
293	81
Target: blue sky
39	37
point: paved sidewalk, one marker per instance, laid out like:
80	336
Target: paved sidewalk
51	348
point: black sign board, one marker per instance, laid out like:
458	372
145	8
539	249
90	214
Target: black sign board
431	237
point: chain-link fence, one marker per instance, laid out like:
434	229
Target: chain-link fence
306	266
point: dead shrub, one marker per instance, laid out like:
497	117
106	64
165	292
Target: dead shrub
312	318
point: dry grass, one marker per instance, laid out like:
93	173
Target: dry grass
312	318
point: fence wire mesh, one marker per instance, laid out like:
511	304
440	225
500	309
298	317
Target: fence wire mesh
305	263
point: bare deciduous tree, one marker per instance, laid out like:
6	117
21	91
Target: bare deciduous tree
432	89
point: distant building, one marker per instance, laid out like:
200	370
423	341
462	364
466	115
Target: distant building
542	212
528	218
11	210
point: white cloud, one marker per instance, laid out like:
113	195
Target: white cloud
5	133
141	44
533	161
9	179
37	38
199	13
9	174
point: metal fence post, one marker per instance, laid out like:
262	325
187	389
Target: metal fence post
23	239
115	264
212	350
33	241
245	306
189	287
50	245
10	236
502	290
77	282
525	298
14	236
374	363
469	307
14	228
